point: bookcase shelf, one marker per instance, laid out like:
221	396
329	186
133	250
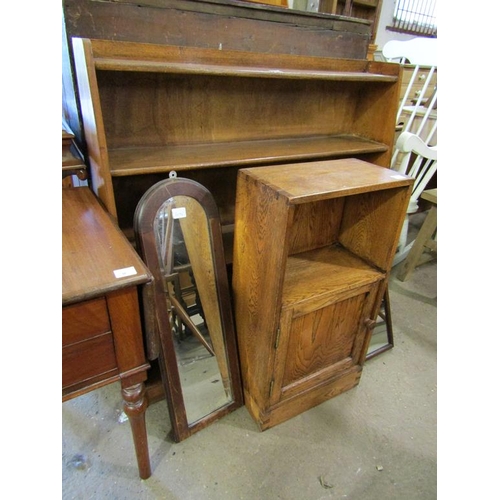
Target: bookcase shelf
151	109
139	161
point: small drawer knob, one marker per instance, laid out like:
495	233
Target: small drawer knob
370	323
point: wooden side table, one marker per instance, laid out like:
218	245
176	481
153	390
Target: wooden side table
101	329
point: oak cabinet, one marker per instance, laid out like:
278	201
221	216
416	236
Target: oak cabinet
313	248
151	109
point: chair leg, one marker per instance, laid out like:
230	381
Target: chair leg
385	314
388	317
424	235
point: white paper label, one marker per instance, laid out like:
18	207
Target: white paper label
179	213
126	271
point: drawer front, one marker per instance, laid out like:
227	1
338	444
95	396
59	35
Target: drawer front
84	320
92	359
418	84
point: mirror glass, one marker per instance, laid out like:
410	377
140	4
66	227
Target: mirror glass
184	245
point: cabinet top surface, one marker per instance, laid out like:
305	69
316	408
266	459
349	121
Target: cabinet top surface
303	182
96	256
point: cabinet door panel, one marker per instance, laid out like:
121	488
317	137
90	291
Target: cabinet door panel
319	345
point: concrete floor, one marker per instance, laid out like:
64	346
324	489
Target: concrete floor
377	441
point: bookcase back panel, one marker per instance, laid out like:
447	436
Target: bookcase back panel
157	109
221	182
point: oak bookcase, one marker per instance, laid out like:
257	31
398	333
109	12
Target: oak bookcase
205	113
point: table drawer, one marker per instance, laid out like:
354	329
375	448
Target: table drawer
84	320
92	359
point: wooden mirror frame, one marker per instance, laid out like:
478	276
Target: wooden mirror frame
144	220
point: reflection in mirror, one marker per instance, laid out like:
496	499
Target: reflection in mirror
183	240
179	235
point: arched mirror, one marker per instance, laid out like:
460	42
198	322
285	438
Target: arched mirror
179	235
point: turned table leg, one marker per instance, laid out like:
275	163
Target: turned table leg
134	405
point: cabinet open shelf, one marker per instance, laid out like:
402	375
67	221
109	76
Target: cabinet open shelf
151	160
324	272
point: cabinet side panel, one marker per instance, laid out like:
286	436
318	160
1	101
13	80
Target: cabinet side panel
258	267
93	124
372	223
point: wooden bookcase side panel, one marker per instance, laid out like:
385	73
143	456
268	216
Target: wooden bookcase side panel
372	222
259	263
375	116
93	124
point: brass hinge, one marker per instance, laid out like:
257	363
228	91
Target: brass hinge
271	385
277	341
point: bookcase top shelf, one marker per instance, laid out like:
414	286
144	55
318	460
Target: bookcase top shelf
114	64
125	56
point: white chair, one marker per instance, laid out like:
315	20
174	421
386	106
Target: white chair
417	111
424	247
420	162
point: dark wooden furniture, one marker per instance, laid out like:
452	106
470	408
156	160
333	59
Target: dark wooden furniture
360	9
150	109
314	243
101	329
219	24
